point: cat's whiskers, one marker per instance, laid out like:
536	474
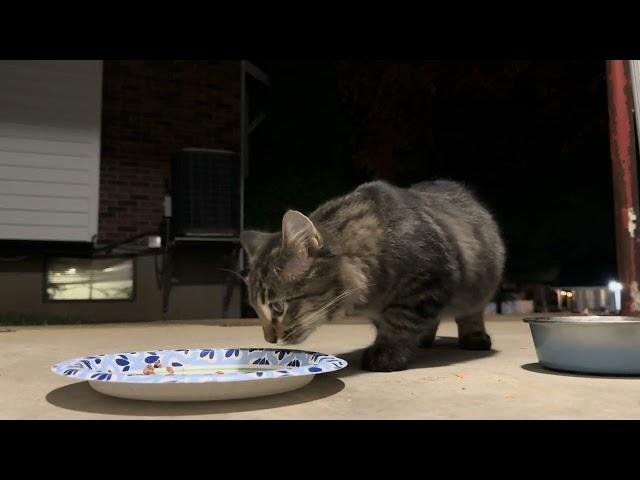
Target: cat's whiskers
343	295
309	321
236	274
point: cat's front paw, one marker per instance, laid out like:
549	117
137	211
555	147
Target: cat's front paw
385	358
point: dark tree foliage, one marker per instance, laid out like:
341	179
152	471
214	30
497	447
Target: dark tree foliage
530	137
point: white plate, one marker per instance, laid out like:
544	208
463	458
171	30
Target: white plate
200	373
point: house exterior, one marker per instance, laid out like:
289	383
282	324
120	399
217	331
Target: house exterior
592	299
85	150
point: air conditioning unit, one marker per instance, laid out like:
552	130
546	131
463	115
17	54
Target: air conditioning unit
205	193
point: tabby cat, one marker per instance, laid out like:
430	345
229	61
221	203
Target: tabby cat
403	257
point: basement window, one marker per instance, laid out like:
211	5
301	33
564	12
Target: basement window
89	279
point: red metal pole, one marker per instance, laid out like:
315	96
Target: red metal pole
625	182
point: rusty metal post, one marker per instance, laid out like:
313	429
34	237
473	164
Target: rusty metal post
625	182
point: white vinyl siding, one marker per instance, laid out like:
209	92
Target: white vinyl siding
49	149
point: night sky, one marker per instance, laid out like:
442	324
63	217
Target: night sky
531	138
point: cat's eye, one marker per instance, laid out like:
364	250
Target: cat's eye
277	307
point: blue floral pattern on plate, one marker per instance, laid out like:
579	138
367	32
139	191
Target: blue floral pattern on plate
121	367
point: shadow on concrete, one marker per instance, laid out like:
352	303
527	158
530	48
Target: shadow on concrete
82	398
253	322
537	368
444	351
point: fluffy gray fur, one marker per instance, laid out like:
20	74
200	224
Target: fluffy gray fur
402	257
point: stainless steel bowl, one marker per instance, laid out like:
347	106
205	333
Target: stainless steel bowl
589	344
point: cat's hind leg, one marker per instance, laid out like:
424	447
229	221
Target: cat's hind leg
471	332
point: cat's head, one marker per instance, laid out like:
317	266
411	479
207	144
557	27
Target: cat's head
292	279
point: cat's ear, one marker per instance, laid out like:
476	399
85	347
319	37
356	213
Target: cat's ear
300	237
299	234
252	240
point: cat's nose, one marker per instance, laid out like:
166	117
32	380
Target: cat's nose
270	336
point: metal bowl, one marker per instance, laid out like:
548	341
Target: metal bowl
589	344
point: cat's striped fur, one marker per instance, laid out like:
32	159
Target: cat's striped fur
402	257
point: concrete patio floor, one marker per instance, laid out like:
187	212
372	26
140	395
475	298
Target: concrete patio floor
443	383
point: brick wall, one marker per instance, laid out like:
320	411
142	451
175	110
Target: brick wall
150	109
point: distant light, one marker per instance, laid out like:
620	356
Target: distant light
569	294
615	286
563	293
155	241
109	269
71	271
